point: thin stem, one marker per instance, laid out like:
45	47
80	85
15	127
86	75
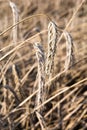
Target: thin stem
23	20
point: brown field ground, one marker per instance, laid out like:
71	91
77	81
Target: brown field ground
30	99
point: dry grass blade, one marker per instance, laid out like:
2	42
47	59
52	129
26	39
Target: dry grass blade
69	50
6	66
41	121
74	111
39	107
50	111
52	41
15	20
23	20
13	92
26	75
62	91
64	98
21	44
53	97
41	73
83	113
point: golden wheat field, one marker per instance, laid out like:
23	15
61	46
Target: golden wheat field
43	65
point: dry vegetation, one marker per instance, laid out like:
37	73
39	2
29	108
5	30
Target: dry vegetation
43	65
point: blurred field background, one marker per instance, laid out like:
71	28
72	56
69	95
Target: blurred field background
18	67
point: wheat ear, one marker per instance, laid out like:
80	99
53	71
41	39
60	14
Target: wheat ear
41	74
69	50
15	12
52	41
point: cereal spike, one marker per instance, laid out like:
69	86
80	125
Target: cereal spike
15	12
69	50
52	41
41	74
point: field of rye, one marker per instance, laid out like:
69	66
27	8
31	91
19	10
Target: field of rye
43	65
